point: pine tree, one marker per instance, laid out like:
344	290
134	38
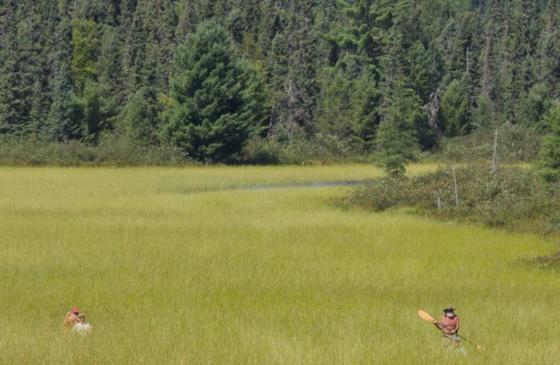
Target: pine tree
402	115
99	11
149	44
21	98
531	108
64	120
213	90
549	164
30	70
349	108
85	43
548	51
334	113
362	38
9	118
396	144
109	64
292	73
455	109
331	67
365	99
141	117
187	18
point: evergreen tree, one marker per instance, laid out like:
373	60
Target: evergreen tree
149	44
292	73
21	97
548	51
334	114
213	89
396	139
331	67
396	145
455	109
349	109
93	68
9	117
85	43
109	64
531	108
365	113
64	120
549	164
141	117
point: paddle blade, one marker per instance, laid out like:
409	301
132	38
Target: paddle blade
425	315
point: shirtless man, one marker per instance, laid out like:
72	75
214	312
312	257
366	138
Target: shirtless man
449	326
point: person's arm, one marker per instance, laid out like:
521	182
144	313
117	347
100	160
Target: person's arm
457	326
437	324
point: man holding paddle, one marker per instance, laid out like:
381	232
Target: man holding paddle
449	326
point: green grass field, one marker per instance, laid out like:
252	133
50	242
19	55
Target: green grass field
171	267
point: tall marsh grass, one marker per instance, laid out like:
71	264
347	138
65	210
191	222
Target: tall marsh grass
172	271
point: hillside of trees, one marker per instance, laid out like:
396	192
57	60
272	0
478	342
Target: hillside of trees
207	76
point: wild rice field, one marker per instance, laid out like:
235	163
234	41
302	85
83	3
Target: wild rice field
197	266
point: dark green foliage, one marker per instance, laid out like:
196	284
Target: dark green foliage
8	70
292	72
349	110
331	68
109	64
532	107
516	143
97	108
21	88
334	114
455	110
140	117
549	164
65	117
218	100
300	151
84	52
396	145
110	150
514	198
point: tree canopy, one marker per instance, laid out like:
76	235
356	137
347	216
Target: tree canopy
78	69
218	101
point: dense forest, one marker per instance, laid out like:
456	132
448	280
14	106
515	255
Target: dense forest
207	76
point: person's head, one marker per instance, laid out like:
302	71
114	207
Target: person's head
449	312
75	311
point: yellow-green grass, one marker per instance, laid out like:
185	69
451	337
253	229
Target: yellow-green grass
150	180
170	271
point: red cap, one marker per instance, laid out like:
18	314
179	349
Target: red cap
74	310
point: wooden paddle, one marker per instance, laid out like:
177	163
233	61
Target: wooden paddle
427	317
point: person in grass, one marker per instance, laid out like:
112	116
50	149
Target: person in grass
449	326
72	318
76	322
82	327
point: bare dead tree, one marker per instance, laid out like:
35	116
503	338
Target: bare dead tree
455	187
432	107
495	153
